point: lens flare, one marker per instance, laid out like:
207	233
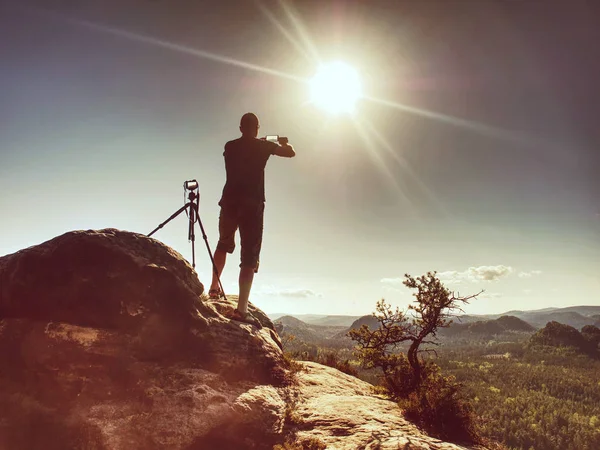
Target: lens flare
336	87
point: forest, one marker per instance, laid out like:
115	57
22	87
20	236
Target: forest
542	399
528	390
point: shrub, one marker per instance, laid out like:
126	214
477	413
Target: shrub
398	380
438	408
331	359
292	368
306	444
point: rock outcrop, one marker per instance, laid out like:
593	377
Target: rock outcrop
108	342
341	411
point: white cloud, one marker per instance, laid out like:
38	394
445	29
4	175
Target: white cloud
527	291
491	295
452	276
475	274
490	273
288	292
299	293
392	281
529	274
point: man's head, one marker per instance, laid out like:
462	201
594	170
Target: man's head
249	125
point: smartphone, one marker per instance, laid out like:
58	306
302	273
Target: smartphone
272	138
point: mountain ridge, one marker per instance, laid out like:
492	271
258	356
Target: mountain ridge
319	319
576	316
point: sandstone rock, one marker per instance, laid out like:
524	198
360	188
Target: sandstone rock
108	343
342	412
106	279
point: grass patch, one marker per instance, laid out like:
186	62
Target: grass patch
292	368
305	444
438	407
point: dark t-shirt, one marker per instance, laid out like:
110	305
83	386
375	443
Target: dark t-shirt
245	161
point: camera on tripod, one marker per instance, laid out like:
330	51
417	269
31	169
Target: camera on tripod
192	210
190	185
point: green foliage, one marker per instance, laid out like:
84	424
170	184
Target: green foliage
524	394
397	378
544	401
332	359
380	348
292	368
514	324
591	334
340	359
439	408
305	444
556	334
290	415
537	397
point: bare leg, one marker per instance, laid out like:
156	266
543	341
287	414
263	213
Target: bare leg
246	278
220	256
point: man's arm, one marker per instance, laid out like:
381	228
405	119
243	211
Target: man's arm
285	150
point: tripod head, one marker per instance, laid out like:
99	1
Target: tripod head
194	189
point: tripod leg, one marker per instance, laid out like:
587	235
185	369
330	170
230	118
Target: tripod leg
212	260
191	236
175	214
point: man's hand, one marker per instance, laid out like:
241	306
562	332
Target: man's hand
285	149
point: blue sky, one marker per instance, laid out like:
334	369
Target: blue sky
497	190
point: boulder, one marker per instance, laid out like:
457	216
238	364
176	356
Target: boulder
107	341
341	412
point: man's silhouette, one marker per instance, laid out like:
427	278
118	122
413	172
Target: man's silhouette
242	206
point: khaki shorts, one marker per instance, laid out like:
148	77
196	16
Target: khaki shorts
249	219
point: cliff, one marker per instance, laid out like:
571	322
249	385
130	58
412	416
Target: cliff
107	341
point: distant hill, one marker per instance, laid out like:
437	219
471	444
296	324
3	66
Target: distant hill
303	317
319	319
501	325
517	312
556	334
338	321
368	320
572	318
512	323
504	324
291	321
311	334
467	318
575	316
584	310
296	327
487	327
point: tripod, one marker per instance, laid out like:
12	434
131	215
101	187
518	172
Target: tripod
193	217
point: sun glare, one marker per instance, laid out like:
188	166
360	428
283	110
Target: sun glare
335	88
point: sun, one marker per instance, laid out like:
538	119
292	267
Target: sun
336	88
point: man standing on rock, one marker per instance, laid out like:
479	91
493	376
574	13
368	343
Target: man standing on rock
242	206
